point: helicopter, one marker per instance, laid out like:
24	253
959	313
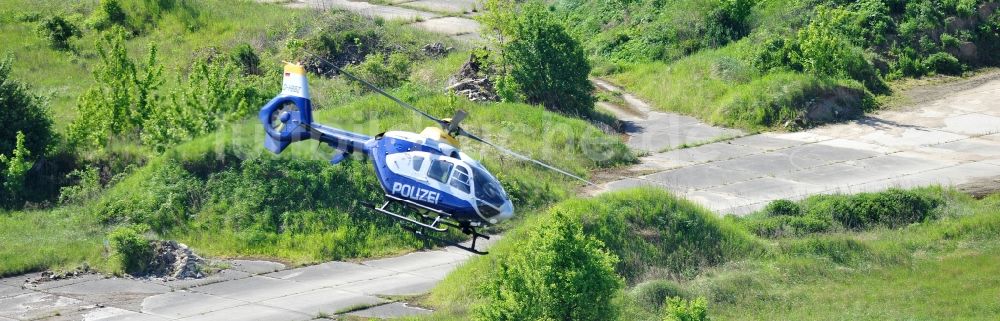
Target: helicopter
426	173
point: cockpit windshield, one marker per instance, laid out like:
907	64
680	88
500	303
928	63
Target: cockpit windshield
487	188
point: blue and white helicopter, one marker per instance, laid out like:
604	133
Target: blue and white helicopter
424	172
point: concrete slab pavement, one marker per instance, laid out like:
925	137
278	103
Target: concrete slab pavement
390	311
254	292
950	140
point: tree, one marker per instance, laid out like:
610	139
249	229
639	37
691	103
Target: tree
540	62
557	273
15	172
21	113
122	99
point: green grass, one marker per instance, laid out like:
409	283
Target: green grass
221	25
653	233
938	269
38	240
225	195
722	88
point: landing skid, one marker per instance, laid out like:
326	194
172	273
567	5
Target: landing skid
437	223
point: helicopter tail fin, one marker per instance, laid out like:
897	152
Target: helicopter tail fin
288	117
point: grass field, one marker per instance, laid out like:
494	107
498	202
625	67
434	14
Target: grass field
226	196
941	268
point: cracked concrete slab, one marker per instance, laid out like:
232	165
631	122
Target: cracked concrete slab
390	311
251	312
38	305
255	267
446	6
332	274
397	284
700	177
415	261
116	314
326	301
766	189
7	291
255	288
182	304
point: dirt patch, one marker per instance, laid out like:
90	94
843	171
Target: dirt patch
918	92
982	187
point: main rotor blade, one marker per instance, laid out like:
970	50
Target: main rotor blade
371	86
522	157
453	125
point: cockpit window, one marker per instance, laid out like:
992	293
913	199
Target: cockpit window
418	162
487	188
460	179
440	170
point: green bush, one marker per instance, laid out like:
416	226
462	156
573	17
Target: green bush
108	14
944	63
130	249
59	31
213	94
123	98
541	61
15	172
559	273
730	21
823	49
382	71
892	208
783	208
245	57
22	112
653	294
679	309
655	233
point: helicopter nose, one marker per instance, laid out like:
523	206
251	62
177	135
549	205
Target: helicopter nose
506	212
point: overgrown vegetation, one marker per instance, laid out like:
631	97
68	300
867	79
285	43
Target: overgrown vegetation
538	61
131	250
558	274
906	236
154	130
712	58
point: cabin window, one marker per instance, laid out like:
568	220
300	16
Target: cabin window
460	179
440	170
418	162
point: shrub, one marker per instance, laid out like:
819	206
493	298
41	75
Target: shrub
382	71
653	294
729	22
108	14
820	48
783	208
544	63
131	251
22	112
123	98
655	234
248	61
59	31
679	309
944	63
15	171
213	94
559	274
